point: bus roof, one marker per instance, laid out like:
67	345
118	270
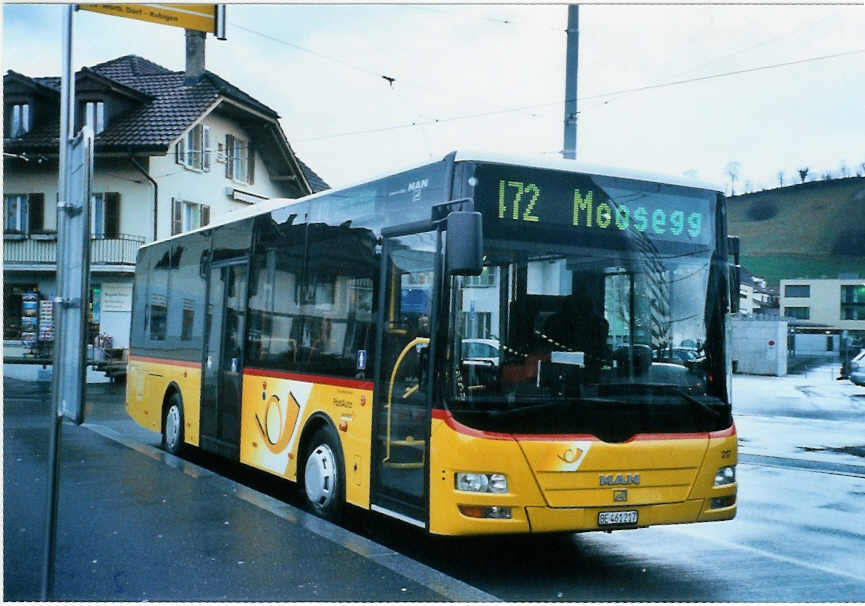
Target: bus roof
463	156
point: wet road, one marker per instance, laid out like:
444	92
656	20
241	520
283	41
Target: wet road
798	537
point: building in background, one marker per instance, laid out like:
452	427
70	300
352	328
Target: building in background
173	150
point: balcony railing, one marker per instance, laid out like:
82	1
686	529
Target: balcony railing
41	250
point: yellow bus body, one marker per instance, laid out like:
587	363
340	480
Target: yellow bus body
553	481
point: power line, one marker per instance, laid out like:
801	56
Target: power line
615	93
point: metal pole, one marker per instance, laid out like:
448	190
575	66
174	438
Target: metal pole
572	56
67	121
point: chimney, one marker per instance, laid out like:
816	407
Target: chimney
194	56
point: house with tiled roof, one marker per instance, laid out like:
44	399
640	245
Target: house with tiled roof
173	150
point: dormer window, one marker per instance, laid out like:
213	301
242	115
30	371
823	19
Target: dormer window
19	119
94	115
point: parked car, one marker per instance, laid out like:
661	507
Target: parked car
857	368
483	351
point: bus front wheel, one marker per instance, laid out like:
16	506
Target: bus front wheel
323	478
172	426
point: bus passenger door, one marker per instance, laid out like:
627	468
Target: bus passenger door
222	387
401	420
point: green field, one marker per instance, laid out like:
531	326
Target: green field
811	230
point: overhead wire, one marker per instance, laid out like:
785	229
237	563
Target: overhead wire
619	92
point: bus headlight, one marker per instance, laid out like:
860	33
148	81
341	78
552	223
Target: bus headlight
725	476
481	482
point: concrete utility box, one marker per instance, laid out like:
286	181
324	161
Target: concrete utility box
759	347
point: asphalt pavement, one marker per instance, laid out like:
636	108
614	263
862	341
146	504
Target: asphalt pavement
136	523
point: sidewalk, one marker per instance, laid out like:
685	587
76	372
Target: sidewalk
159	528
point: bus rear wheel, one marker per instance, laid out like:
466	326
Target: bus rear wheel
172	426
323	477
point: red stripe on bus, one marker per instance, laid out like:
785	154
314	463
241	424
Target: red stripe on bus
463	429
184	363
278	374
458	427
724	433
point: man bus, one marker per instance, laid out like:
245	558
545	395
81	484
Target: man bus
478	345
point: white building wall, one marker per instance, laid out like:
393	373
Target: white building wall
180	182
759	347
824	301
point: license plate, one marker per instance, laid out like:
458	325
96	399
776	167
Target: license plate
617	518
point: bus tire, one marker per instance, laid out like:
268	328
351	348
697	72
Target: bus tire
172	425
323	475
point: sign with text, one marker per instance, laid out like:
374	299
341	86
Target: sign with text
116	296
208	18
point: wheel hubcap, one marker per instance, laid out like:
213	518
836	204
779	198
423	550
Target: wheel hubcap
320	476
172	427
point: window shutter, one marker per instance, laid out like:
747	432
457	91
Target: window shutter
36	202
251	164
229	156
178	151
176	216
205	164
205	215
112	214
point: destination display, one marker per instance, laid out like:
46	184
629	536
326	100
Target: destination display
528	199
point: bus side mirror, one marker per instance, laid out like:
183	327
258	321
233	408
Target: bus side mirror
464	244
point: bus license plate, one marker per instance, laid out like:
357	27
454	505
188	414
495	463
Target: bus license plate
617	518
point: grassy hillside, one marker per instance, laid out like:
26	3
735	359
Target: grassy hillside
811	230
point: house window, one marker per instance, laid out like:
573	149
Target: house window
853	302
194	149
105	215
186	216
19	119
797	290
800	313
23	213
240	160
94	115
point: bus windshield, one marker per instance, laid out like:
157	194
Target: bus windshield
561	334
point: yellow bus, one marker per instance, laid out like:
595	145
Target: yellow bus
482	344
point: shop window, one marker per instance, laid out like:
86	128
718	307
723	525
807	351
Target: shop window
14	310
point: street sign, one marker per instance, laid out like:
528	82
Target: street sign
73	272
209	18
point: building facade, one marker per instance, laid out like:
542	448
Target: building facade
173	150
838	304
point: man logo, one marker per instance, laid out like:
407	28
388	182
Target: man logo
620	495
620	480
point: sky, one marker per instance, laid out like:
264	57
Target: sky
492	78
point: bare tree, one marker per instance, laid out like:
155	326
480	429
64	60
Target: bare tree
733	169
803	173
843	170
749	187
780	178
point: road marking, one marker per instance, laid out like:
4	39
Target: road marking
446	586
768	554
841	469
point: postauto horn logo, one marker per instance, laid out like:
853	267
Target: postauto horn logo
279	420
